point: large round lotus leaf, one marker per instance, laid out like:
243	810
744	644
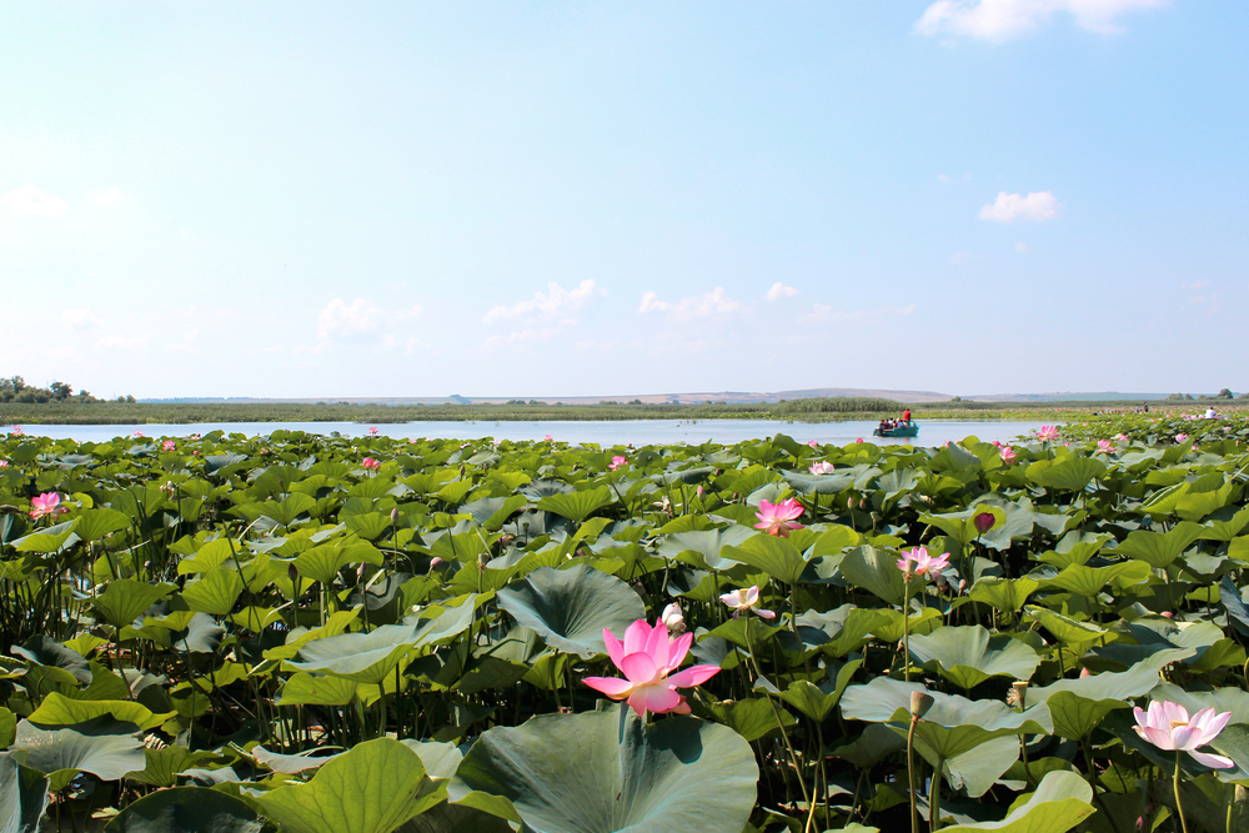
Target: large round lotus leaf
967	656
363	657
103	747
1062	801
607	772
373	788
570	608
23	793
186	810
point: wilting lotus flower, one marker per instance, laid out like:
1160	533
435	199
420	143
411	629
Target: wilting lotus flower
1105	447
1047	433
48	503
917	562
17	431
1007	454
742	601
647	657
371	463
779	518
373	431
168	445
673	618
1179	438
822	467
1168	726
617	461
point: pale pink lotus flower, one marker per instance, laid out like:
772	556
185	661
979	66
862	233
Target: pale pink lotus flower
858	439
700	491
17	430
1123	438
138	435
48	503
168	445
1179	438
1085	673
647	657
743	601
1007	454
371	463
4	464
917	562
547	437
673	618
779	518
1105	447
1047	433
1168	725
617	461
373	431
813	443
822	467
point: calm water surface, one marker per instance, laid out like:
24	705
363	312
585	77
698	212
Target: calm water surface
607	432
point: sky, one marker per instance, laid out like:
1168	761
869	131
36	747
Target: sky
296	199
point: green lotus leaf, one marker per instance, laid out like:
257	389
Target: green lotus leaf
373	788
1061	801
1158	549
979	769
215	591
706	545
48	539
186	810
124	600
1008	595
969	655
1078	705
599	772
48	652
322	563
103	747
571	607
23	795
1067	472
95	524
1083	580
875	571
775	556
363	657
577	506
59	710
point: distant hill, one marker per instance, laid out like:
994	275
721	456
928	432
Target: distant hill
688	398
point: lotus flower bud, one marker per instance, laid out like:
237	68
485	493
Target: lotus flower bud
673	618
984	521
434	563
920	704
394	514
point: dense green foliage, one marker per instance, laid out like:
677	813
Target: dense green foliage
15	389
238	634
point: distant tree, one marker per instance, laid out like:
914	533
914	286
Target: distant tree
60	391
1226	393
956	399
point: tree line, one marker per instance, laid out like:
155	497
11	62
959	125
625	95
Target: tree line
15	389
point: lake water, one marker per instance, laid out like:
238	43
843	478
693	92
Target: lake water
607	432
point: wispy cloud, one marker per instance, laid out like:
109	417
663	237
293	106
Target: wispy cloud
361	319
779	290
553	303
712	303
1036	206
30	201
1002	20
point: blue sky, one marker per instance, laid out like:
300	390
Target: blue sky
316	199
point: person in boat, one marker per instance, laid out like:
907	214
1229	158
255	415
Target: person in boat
906	416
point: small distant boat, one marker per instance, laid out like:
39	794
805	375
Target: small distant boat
910	429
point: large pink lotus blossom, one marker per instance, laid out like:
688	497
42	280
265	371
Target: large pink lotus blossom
1168	726
1007	454
138	435
647	657
858	439
779	518
617	461
168	445
746	601
822	467
48	503
371	463
1047	433
1105	447
917	562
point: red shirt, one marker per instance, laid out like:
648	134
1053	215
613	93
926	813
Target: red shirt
906	415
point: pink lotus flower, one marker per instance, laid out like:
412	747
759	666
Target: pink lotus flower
858	439
997	443
647	657
1179	438
1105	447
673	618
194	436
617	461
821	467
1007	454
371	463
373	431
743	601
813	443
984	521
4	464
17	431
1168	726
1048	433
779	518
917	562
168	445
138	435
48	503
1123	438
547	437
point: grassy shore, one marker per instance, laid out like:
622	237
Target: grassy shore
827	410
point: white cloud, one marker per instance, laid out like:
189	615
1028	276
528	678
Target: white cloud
779	290
715	302
29	201
360	318
555	303
1001	20
106	197
1037	206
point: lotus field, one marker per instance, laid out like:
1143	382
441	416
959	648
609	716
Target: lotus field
312	634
